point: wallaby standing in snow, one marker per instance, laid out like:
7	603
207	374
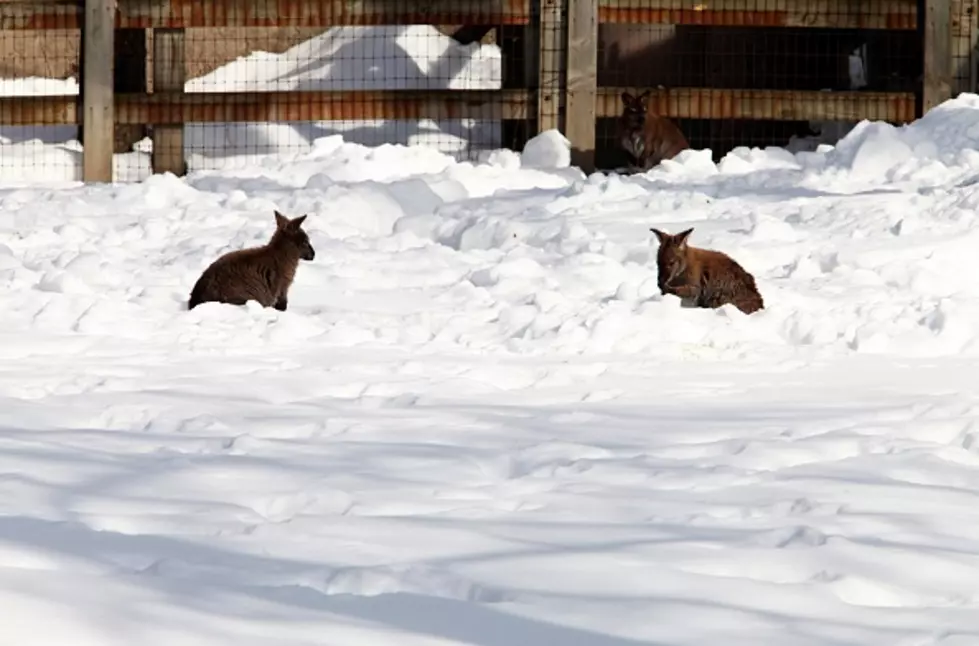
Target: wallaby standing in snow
703	277
646	138
262	274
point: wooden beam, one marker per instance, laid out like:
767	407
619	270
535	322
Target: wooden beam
772	105
169	76
688	103
186	14
838	14
937	44
551	75
173	108
582	67
323	106
98	136
41	14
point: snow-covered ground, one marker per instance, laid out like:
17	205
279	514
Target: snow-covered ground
412	57
480	423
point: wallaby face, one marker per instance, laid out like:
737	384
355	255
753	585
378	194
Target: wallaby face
647	139
703	277
671	259
632	121
263	274
290	232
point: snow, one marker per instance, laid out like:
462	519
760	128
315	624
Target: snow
549	149
480	422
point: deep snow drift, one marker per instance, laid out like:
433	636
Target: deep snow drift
480	423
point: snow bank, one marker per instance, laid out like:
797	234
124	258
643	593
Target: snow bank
410	57
480	423
523	254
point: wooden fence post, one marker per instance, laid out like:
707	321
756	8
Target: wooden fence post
582	81
551	83
937	36
98	115
169	75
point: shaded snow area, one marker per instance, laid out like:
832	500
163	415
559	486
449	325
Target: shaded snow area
480	423
414	57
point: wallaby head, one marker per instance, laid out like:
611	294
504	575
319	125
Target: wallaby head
288	233
672	257
634	110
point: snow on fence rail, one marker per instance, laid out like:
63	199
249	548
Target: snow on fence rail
187	76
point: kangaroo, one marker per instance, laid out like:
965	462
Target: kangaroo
703	277
646	138
262	274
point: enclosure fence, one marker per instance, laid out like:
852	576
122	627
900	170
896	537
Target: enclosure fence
113	90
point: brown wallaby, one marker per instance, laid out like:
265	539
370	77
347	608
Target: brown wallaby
703	277
646	138
262	274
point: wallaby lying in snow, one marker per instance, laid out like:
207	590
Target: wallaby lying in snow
646	138
703	277
262	274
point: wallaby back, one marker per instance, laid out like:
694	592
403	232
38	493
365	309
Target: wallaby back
647	139
263	274
704	277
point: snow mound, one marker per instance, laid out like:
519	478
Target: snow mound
411	57
549	149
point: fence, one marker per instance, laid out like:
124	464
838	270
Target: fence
163	84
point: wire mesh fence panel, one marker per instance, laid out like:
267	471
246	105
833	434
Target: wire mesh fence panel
39	140
749	52
250	78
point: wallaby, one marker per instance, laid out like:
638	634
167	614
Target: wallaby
262	274
646	138
703	277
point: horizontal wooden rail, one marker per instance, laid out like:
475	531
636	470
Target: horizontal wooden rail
210	107
688	103
840	14
773	105
183	14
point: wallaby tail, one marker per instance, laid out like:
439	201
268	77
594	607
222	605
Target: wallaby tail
750	302
747	299
195	297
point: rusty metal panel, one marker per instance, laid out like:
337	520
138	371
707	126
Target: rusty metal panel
180	14
774	105
841	14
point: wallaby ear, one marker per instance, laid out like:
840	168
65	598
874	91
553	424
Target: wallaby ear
661	235
628	99
644	98
297	222
281	221
681	238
